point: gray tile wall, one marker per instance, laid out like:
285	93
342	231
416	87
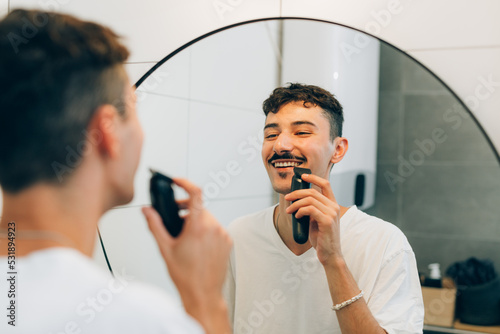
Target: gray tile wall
437	177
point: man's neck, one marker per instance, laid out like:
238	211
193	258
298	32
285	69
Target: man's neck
49	216
284	223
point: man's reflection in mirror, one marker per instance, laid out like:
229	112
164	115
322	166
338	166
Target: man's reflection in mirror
355	274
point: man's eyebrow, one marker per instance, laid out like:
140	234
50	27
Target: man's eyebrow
271	125
296	123
304	123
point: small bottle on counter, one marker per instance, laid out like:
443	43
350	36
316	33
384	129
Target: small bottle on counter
434	278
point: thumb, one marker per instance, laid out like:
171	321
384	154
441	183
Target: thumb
160	233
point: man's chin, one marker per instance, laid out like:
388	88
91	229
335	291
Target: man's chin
282	190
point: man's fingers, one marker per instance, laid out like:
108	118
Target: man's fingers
155	224
322	222
323	184
308	201
313	193
183	203
189	187
195	200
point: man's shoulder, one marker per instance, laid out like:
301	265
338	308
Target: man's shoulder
145	308
137	306
362	225
82	291
145	298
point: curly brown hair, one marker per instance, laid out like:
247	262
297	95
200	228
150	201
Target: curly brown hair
310	96
56	71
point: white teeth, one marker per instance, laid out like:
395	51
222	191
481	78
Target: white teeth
286	164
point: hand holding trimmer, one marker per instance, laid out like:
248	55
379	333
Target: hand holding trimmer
163	201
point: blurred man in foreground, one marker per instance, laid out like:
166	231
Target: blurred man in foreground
70	143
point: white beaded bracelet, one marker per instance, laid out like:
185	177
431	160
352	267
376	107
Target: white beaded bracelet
348	302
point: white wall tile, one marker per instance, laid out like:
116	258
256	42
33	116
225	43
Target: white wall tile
218	138
165	123
130	246
4	7
412	24
171	78
153	29
135	71
236	67
228	210
448	24
465	71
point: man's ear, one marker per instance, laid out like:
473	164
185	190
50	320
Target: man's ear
341	145
104	125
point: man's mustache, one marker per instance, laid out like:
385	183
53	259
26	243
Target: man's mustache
285	156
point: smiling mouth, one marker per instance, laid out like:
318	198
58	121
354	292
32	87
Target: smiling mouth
286	164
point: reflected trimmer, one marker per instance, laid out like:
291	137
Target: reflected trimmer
300	226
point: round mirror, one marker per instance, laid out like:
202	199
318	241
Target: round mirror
416	157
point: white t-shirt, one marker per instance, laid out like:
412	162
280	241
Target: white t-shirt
271	290
59	290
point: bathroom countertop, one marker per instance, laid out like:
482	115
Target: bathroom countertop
460	328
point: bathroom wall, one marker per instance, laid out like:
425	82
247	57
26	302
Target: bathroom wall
4	7
437	177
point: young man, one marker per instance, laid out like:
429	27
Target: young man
70	143
355	274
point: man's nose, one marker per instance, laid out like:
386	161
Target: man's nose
283	143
